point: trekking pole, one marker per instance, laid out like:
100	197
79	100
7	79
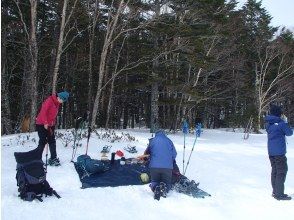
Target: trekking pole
89	134
191	152
46	163
185	131
77	126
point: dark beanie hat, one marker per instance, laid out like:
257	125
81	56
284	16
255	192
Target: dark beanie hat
63	95
275	110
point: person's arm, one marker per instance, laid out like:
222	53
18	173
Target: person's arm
174	152
147	151
286	129
44	112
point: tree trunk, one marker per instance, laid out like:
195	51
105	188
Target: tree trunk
60	46
154	88
111	26
34	64
109	103
126	116
6	113
91	51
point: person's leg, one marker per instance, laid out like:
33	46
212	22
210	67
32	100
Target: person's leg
166	177
282	168
42	133
273	173
52	142
155	177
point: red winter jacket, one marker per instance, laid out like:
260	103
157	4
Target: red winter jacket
49	111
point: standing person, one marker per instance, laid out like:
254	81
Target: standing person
277	128
162	154
45	124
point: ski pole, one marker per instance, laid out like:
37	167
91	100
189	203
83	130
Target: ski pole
184	151
77	125
46	164
89	134
185	131
191	153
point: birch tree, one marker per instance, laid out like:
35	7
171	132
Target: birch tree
269	81
93	10
62	38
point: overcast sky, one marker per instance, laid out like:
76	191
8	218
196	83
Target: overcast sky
282	11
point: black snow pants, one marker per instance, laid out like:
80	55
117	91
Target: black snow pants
47	136
161	175
279	172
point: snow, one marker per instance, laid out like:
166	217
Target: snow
236	172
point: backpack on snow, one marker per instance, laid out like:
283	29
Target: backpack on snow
89	166
31	176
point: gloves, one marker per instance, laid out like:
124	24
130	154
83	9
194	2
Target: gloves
284	118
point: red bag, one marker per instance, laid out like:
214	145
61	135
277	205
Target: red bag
119	153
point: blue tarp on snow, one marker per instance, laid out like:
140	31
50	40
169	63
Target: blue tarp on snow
129	174
117	175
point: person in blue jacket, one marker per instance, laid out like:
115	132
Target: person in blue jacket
162	155
277	128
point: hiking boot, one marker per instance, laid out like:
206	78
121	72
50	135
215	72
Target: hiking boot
157	193
54	162
282	197
163	189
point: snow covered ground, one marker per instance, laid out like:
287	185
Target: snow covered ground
236	172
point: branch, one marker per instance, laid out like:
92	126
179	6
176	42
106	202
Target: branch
22	20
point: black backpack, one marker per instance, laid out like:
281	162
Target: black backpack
31	176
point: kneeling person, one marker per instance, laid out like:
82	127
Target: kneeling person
162	154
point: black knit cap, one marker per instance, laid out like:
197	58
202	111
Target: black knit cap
276	110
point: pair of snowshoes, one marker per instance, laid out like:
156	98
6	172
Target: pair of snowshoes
160	191
190	188
130	149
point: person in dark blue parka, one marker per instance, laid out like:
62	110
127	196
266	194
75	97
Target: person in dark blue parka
162	154
277	128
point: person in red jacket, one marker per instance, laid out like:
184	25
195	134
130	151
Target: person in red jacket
45	124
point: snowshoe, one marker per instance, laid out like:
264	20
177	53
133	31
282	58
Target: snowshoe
163	189
54	162
130	149
157	193
190	188
106	149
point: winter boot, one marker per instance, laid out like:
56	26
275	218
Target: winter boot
163	189
282	197
157	193
54	162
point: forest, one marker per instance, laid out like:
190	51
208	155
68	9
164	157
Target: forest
144	63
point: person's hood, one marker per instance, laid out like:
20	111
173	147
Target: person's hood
271	119
160	133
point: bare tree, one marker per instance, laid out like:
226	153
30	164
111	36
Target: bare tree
154	124
6	112
93	10
31	78
110	36
268	81
62	38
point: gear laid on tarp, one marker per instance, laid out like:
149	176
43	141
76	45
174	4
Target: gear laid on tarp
116	175
132	172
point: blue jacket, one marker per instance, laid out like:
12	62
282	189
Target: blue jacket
162	151
277	129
